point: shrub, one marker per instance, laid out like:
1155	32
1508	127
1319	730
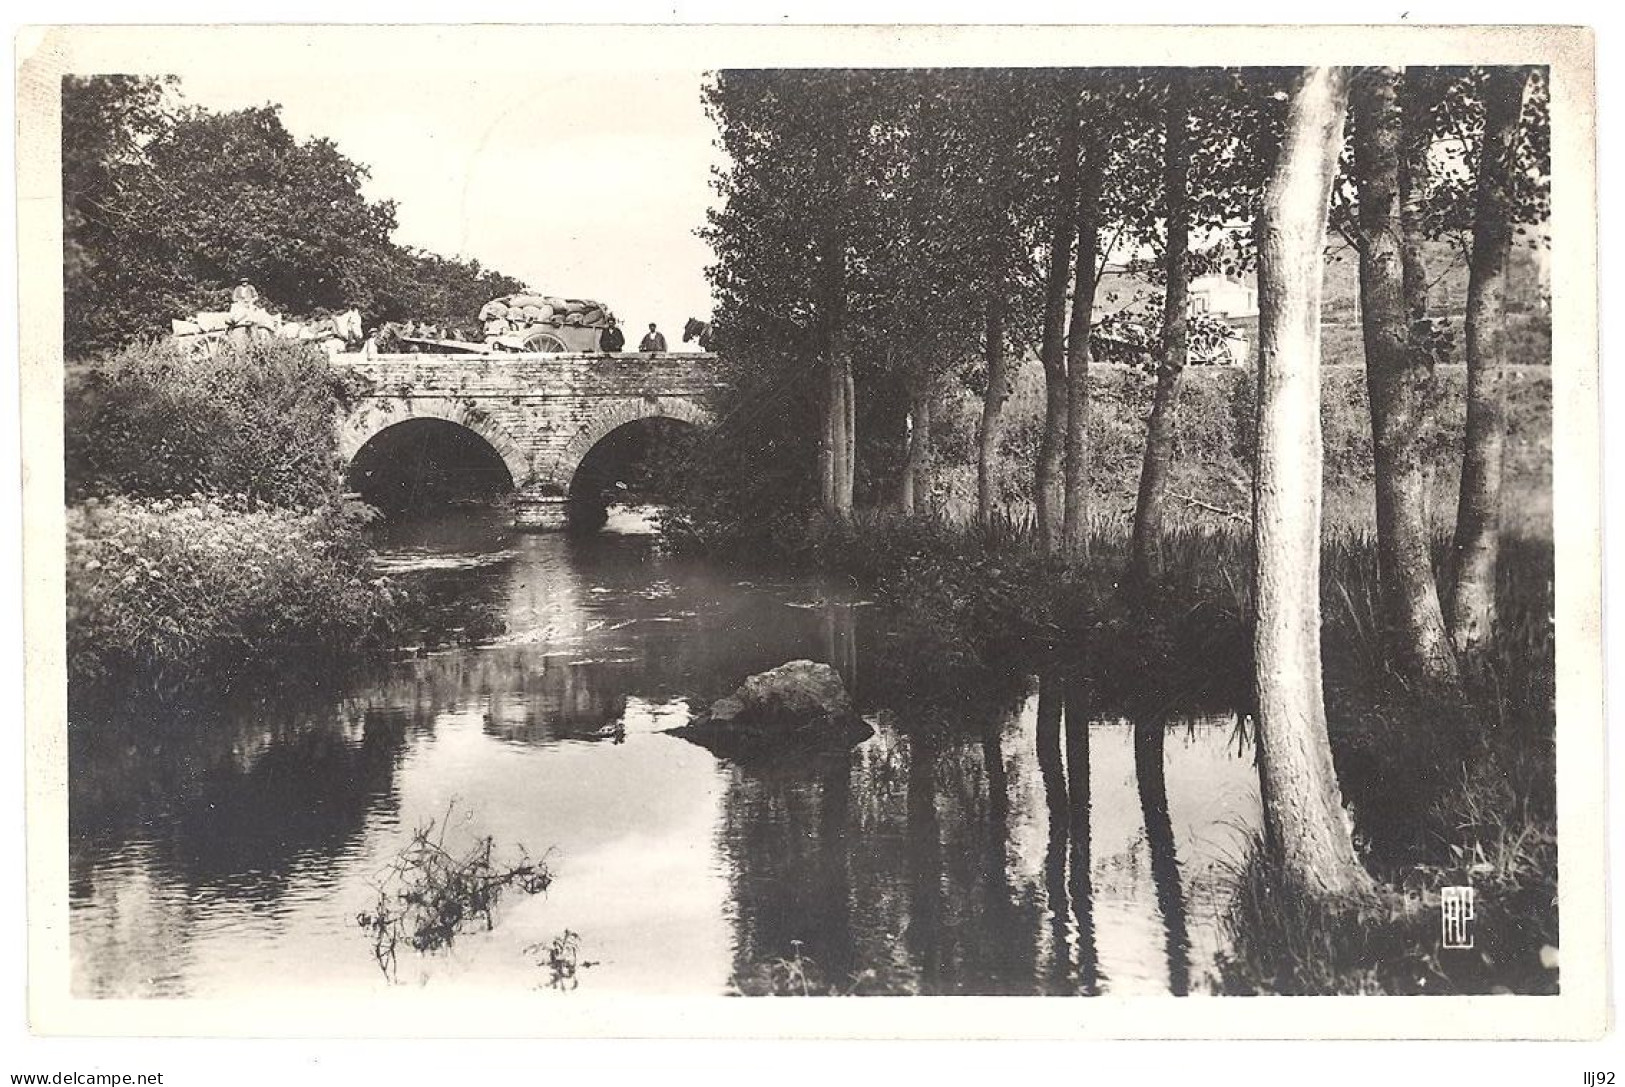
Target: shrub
169	590
158	422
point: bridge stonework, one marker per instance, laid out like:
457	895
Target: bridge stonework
542	414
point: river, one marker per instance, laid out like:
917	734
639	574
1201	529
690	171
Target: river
1046	850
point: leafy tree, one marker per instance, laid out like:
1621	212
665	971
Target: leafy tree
1207	130
106	123
239	196
165	207
1398	368
419	285
1512	185
1048	495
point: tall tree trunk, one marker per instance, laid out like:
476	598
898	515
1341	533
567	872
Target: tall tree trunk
1416	126
830	407
1145	547
1304	821
1477	543
1395	379
1048	496
836	482
845	480
840	429
905	477
1075	537
849	483
915	483
998	391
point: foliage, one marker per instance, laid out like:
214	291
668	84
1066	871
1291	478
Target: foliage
562	957
801	975
161	593
428	895
1451	102
155	421
166	206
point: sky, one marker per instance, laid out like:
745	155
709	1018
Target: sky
587	184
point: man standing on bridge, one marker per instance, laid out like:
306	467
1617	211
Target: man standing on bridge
653	342
612	339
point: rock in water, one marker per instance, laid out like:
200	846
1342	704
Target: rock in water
798	706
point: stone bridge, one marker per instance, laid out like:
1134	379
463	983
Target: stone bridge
541	414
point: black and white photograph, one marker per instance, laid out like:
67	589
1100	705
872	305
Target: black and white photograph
534	521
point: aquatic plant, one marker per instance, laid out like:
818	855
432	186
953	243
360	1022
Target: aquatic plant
429	895
562	958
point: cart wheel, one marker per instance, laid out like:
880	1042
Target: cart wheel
545	342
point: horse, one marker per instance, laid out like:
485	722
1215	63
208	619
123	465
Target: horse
698	330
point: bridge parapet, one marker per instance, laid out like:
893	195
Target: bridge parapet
506	375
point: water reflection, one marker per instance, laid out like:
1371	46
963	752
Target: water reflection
1045	848
1149	742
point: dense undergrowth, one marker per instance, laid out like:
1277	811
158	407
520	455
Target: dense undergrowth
208	538
163	591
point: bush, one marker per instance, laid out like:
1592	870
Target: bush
165	591
157	422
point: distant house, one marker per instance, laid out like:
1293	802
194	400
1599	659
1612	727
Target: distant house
1126	293
1232	299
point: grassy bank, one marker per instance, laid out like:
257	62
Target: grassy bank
208	541
163	592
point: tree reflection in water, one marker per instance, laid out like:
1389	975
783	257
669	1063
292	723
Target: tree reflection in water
1150	734
1081	883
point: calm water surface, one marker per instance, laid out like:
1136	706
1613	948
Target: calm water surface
1051	851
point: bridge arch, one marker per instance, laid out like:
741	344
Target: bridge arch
374	417
610	418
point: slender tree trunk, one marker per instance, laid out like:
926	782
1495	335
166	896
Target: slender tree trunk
1305	823
915	482
840	426
905	477
998	391
1075	524
1477	543
830	406
1395	377
836	485
1416	146
845	481
1145	548
1048	496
